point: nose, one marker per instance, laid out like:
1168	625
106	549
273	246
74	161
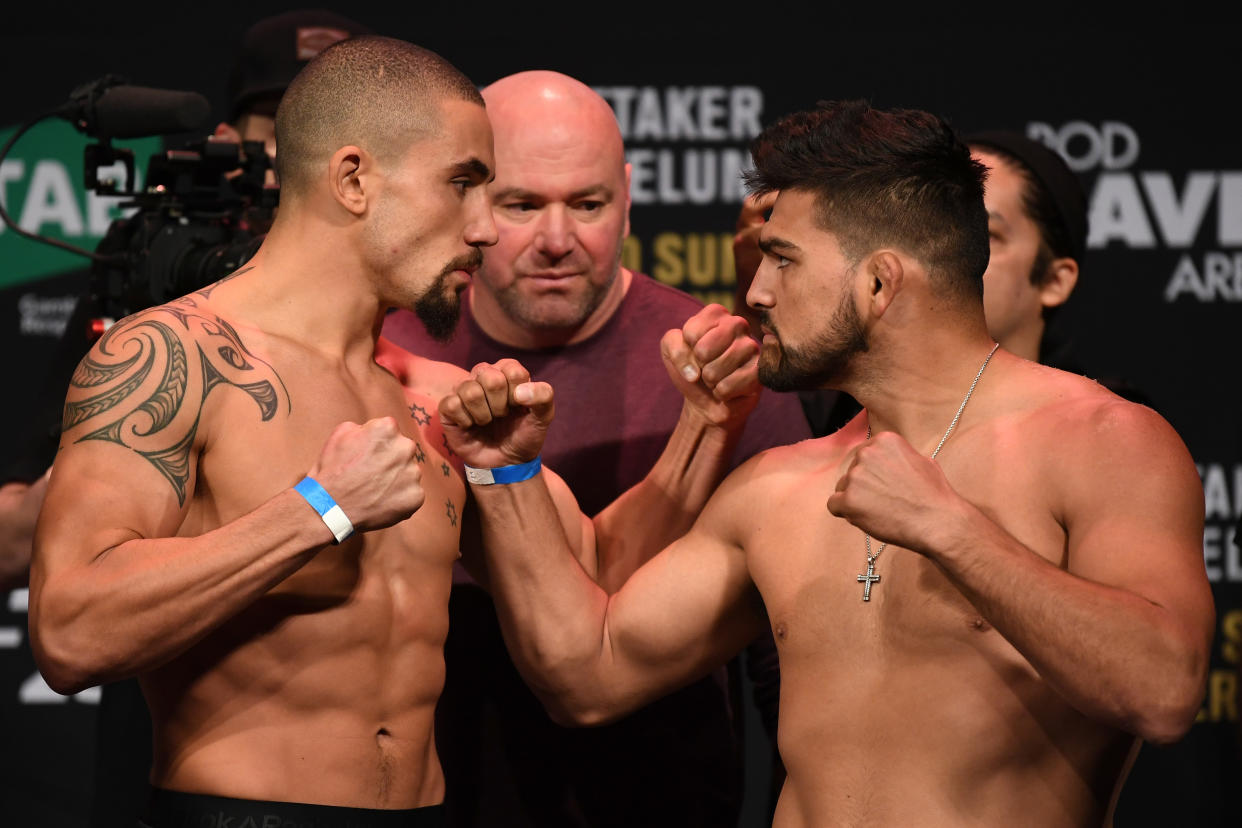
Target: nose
760	296
481	229
554	236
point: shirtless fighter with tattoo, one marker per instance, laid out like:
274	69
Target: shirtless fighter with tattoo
260	522
985	589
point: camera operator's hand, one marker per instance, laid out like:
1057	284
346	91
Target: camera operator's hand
19	511
256	128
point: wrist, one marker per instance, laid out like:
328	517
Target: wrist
956	530
514	473
326	507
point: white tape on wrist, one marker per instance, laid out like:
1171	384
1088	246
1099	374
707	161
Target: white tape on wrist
331	514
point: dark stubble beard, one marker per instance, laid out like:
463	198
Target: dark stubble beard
439	307
821	362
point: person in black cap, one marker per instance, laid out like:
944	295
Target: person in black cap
270	54
1037	223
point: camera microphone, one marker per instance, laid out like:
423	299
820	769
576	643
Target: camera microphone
111	108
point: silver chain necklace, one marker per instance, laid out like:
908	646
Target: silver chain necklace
871	578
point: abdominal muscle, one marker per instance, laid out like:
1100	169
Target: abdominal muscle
964	733
322	692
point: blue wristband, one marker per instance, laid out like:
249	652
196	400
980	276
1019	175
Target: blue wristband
331	514
504	474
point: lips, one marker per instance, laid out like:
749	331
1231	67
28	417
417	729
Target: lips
552	275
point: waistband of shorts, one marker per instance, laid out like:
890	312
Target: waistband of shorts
175	809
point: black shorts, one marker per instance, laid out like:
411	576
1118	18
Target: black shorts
173	809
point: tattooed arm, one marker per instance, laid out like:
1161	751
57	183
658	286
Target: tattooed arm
116	588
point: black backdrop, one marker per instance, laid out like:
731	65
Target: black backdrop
1147	113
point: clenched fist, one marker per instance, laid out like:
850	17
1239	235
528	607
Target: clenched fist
895	494
497	417
713	361
370	472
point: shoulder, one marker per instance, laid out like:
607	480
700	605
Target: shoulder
417	373
1088	436
169	349
1079	408
777	471
145	340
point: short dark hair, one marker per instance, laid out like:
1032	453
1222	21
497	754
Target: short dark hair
378	92
899	178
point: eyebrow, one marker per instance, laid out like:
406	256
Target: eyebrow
473	167
523	194
772	244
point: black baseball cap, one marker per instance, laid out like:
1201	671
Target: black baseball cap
275	49
1052	171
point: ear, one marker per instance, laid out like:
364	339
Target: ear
628	170
1059	283
885	276
350	172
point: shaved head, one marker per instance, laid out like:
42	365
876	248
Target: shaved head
554	110
561	199
378	93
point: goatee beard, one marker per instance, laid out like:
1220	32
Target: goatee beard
439	308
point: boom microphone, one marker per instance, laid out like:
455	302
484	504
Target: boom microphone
110	108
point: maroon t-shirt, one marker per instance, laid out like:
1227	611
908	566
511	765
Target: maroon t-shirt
676	762
615	405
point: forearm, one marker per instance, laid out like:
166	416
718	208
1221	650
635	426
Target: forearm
1112	654
551	613
17	520
663	505
140	602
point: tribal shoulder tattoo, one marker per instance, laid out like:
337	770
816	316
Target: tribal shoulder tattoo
144	384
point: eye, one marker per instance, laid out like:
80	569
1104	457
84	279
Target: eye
462	184
517	206
590	206
781	261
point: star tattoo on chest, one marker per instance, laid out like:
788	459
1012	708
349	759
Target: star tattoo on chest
452	512
419	454
444	467
420	415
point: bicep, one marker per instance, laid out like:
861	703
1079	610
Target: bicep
687	610
1134	520
99	497
130	437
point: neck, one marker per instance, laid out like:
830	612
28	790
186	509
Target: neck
315	294
917	390
501	327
